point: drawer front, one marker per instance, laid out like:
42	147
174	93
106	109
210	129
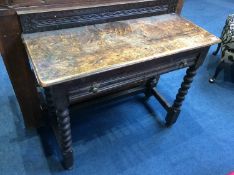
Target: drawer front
129	76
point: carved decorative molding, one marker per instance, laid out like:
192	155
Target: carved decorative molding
75	18
100	16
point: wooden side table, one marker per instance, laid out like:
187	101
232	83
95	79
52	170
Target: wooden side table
111	59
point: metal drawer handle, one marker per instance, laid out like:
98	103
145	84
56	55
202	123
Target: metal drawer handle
183	63
94	88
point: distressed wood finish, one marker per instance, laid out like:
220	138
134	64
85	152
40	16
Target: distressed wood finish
98	48
17	65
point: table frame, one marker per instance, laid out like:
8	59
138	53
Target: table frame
59	97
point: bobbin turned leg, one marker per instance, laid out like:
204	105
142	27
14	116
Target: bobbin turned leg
58	104
174	111
64	127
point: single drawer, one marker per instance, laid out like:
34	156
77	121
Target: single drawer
129	76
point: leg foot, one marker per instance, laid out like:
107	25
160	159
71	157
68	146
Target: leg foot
172	116
68	160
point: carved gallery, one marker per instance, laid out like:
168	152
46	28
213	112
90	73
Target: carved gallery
120	87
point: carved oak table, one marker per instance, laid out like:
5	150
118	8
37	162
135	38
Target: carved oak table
100	61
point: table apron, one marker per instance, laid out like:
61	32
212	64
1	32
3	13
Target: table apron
128	77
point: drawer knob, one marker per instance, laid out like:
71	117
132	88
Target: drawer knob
183	63
94	88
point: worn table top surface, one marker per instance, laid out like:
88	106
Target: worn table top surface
63	55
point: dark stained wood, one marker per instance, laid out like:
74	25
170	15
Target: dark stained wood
68	17
17	65
59	114
174	111
4	2
127	77
160	99
179	6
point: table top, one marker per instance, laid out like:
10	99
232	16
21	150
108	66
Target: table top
67	54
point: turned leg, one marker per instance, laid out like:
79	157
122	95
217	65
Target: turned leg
49	114
174	111
150	84
217	50
57	104
64	127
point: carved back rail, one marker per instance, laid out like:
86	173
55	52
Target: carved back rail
83	14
